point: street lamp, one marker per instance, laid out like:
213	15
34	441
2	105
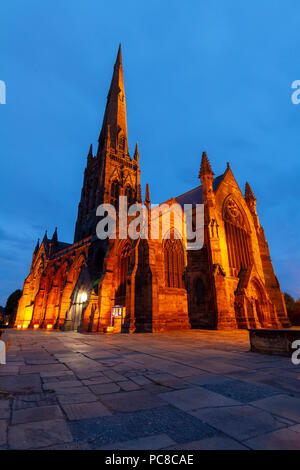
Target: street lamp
83	297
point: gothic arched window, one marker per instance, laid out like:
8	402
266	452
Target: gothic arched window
114	194
237	236
124	266
174	263
129	193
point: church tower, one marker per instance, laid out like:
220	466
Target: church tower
111	172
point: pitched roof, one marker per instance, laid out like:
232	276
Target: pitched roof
194	196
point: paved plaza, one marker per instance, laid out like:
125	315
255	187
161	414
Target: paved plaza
184	390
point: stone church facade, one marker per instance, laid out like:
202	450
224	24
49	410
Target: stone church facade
228	283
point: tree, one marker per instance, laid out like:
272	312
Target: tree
12	306
296	313
293	309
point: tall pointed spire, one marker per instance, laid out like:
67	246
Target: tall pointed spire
115	112
205	168
90	154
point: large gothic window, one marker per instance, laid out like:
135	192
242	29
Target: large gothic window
174	263
237	236
124	267
114	194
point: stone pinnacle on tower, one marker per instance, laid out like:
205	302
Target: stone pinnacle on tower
205	168
115	112
136	152
249	195
147	201
37	246
54	238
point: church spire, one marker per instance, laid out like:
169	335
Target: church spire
115	112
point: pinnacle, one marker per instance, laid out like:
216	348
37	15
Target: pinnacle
205	168
248	192
147	194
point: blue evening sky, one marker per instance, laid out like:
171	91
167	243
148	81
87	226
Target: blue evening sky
199	75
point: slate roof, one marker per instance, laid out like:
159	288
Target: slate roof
194	196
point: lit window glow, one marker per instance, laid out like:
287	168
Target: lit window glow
83	297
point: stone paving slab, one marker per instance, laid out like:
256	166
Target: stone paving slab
40	413
61	385
37	435
42	368
282	405
196	397
33	400
78	411
101	389
21	383
84	397
132	401
241	391
239	422
283	439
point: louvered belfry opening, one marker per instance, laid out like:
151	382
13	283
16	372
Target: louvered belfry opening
237	237
174	263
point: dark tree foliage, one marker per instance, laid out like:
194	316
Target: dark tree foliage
293	309
12	302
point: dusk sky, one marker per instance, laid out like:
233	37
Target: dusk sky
199	75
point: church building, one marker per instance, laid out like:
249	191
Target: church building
152	285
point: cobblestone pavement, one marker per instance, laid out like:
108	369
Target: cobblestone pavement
184	390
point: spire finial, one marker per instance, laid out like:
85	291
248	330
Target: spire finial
205	168
90	154
119	56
